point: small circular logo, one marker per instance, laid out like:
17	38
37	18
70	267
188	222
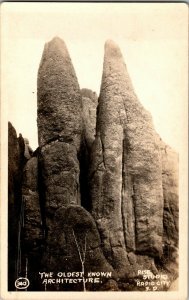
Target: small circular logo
22	283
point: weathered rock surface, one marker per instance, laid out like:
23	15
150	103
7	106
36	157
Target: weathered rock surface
61	138
60	174
171	209
59	99
89	106
33	230
28	150
15	167
14	157
75	234
100	194
126	184
60	128
32	227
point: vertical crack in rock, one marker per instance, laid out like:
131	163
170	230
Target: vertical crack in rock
169	260
89	106
122	196
134	240
41	191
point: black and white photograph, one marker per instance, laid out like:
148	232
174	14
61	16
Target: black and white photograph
94	117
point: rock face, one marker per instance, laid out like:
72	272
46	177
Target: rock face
171	211
32	226
89	106
61	140
126	183
100	194
16	161
28	151
59	99
60	128
75	236
33	219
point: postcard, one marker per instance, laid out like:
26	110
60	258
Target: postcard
94	114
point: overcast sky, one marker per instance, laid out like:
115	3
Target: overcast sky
153	39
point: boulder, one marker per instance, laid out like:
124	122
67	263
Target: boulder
75	239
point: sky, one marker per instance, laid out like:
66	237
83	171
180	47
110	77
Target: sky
153	38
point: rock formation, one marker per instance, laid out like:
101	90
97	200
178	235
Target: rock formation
126	181
61	143
100	194
59	125
171	212
28	150
89	106
16	162
60	134
60	130
32	210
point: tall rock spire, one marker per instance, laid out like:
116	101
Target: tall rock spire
59	123
126	183
59	99
60	132
59	126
